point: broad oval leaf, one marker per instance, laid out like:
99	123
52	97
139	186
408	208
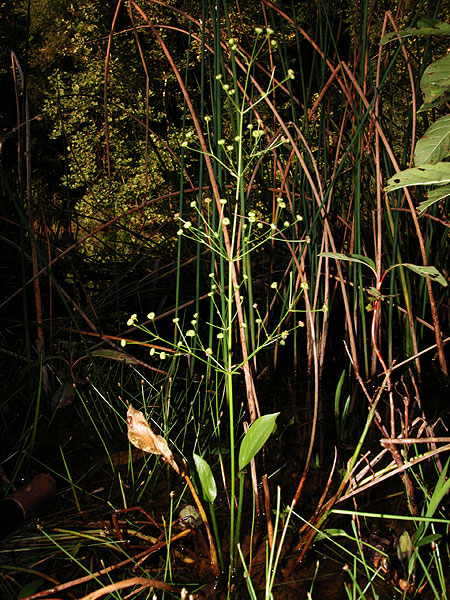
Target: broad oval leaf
434	145
255	438
425	175
206	477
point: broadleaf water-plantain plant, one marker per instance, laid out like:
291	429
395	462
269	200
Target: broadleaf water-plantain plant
231	233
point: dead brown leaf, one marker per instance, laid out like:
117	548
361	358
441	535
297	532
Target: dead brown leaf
141	435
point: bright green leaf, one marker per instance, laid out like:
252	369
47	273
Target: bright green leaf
255	438
206	477
423	175
434	145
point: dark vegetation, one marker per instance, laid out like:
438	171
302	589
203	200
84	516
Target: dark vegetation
203	218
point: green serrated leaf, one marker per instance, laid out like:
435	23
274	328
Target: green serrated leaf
435	83
427	272
206	477
255	438
423	175
434	145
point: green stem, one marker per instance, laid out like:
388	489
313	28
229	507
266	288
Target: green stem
217	536
239	515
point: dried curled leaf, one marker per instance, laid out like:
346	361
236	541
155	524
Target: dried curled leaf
141	435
